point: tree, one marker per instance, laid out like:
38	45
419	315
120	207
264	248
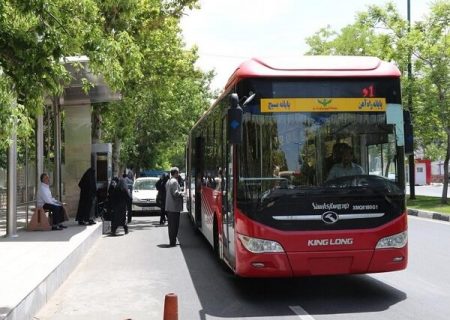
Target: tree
382	32
134	44
159	85
431	39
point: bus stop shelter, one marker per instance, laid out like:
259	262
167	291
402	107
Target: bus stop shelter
70	161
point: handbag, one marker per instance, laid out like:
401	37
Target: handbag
106	227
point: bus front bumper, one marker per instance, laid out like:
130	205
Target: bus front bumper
299	264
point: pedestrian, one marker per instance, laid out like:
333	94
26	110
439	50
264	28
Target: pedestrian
174	205
129	183
88	198
161	196
45	200
119	202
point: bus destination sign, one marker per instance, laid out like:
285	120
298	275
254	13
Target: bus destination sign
323	105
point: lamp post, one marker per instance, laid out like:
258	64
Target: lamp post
411	164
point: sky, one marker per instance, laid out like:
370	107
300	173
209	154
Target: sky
228	32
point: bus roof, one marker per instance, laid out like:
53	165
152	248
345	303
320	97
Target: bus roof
315	67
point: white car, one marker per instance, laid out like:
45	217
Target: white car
144	194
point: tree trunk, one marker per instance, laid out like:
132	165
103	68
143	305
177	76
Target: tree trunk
96	125
116	156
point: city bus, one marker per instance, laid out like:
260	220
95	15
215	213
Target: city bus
261	168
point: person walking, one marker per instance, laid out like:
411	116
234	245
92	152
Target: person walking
129	183
120	199
161	196
174	205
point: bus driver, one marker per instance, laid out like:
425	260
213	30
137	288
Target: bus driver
346	167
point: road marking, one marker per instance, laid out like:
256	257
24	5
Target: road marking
303	315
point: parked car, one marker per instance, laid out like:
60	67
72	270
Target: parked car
144	194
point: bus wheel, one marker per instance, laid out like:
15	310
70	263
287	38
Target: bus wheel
216	238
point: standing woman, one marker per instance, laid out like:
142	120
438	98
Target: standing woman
161	197
88	195
120	199
174	205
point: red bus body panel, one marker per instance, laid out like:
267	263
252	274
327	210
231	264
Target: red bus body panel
299	259
314	67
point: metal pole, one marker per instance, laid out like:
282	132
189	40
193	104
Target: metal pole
39	147
57	137
11	228
411	162
26	185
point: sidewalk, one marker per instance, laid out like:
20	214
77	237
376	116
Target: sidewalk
35	263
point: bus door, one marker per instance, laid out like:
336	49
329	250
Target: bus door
228	246
198	169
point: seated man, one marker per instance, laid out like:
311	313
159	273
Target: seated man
45	200
345	167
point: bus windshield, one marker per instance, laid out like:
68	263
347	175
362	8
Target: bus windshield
307	149
291	161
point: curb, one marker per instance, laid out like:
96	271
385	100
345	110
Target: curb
51	281
429	215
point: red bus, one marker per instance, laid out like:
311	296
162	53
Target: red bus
298	168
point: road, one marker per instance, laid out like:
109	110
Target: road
127	277
431	190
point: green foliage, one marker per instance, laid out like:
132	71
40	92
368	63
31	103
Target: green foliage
432	204
382	32
163	93
134	44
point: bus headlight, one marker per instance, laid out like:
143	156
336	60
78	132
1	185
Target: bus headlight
256	245
398	240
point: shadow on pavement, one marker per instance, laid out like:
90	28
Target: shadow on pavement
222	294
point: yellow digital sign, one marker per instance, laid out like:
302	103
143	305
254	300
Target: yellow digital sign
323	105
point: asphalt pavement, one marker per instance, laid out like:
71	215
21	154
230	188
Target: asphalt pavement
116	294
128	276
433	190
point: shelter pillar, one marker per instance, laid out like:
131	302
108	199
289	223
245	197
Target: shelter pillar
78	141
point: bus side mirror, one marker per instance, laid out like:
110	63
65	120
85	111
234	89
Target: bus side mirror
408	130
234	120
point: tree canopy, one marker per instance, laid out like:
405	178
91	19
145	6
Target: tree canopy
382	32
136	45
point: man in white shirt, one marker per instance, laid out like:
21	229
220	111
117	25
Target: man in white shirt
45	200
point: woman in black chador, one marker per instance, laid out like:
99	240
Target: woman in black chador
161	196
88	194
119	199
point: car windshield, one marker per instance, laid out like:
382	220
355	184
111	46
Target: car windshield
145	184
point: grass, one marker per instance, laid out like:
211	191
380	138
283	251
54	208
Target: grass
428	204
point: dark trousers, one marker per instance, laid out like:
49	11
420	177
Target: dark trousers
173	219
162	217
129	212
57	213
